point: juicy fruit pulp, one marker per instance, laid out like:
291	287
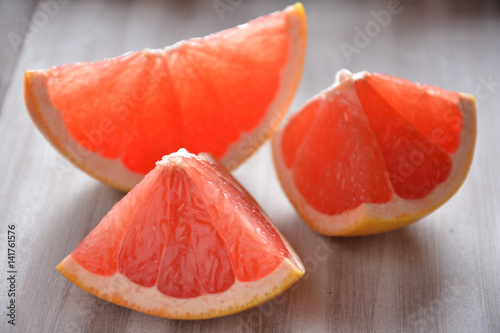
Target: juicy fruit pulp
188	230
413	132
223	94
376	139
178	241
368	137
149	102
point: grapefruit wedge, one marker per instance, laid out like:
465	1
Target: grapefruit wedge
188	242
374	153
223	94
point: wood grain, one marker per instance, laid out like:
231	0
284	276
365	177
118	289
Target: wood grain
13	28
439	275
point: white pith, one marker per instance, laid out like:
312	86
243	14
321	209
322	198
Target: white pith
398	211
240	296
50	122
112	171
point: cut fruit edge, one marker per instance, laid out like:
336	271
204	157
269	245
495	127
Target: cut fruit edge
112	172
119	290
239	297
289	83
369	218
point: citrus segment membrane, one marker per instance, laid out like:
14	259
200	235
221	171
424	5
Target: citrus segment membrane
415	163
374	153
224	94
364	147
336	155
433	111
181	238
296	130
140	106
256	236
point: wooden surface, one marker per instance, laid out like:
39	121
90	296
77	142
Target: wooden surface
439	275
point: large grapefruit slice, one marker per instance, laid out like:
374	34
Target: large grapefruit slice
224	94
188	242
374	153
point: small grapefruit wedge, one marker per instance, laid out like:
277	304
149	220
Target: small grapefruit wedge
188	242
223	94
374	153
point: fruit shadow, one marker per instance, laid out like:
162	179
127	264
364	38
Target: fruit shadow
78	310
354	284
382	280
77	215
367	277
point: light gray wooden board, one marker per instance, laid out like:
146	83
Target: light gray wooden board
15	16
439	275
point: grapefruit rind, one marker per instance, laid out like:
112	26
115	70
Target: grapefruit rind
118	289
369	219
240	296
112	172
